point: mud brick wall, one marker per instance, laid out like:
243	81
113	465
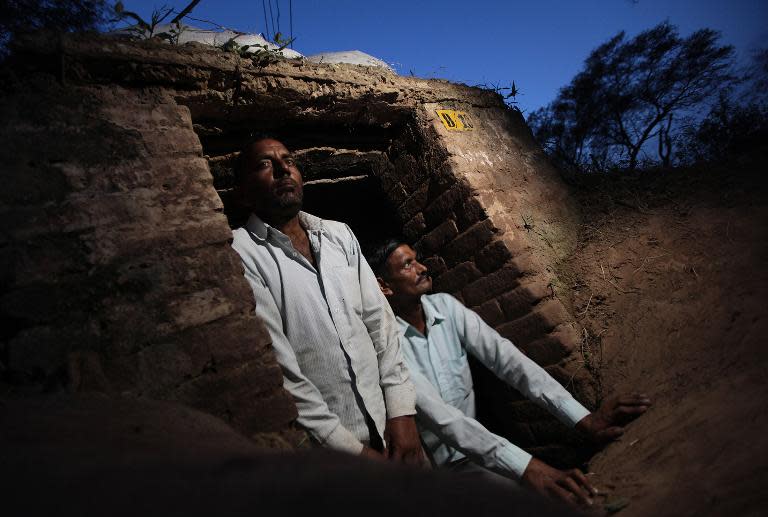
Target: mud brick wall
490	230
489	214
117	272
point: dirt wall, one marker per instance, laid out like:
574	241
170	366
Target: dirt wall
117	273
669	284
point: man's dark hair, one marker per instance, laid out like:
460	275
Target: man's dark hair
378	257
245	151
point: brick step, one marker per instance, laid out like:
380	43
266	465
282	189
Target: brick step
544	318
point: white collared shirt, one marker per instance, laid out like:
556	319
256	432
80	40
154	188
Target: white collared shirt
332	330
445	398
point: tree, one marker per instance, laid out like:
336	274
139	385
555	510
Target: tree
630	92
566	127
20	16
736	125
757	78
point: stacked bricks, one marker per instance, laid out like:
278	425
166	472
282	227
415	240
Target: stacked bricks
469	256
118	274
491	271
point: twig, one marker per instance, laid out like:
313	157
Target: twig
622	291
139	21
617	242
570	381
648	258
526	224
587	308
583	362
540	234
603	270
185	11
217	25
641	266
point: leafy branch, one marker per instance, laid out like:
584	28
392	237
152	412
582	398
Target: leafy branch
146	29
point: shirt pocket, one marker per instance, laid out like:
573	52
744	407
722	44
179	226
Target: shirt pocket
348	288
458	379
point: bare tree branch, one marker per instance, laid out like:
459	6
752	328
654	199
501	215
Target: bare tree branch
185	11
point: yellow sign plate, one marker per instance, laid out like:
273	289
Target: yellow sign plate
455	120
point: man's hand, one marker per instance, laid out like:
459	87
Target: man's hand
607	423
403	443
570	486
372	454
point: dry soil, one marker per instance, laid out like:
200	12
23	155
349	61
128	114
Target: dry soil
670	288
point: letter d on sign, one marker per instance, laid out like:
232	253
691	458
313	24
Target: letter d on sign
454	120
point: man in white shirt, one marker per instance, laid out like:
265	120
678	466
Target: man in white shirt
333	332
437	332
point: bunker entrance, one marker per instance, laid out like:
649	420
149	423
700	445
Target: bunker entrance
358	202
342	169
393	178
374	155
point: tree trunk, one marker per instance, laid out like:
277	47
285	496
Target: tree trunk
665	143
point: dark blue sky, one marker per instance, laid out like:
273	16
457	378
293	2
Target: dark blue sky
540	44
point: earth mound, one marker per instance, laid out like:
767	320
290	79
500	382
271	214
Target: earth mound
669	285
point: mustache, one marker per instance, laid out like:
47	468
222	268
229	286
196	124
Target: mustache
285	182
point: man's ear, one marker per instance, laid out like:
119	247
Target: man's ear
240	199
237	195
384	286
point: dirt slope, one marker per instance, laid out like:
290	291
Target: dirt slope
670	285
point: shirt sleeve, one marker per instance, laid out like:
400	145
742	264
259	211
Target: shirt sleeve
511	365
399	393
314	414
466	434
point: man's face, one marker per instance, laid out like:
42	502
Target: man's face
270	184
407	278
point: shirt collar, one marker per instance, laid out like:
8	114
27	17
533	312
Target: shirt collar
261	230
431	314
311	223
257	227
430	311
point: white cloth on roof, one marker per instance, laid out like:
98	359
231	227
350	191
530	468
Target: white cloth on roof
353	57
213	38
